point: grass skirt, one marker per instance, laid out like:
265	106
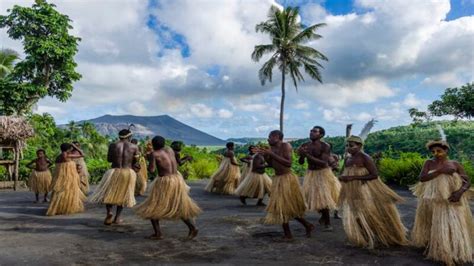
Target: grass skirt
321	189
169	199
246	169
40	181
84	174
370	215
286	201
445	228
142	178
117	187
67	196
226	179
255	185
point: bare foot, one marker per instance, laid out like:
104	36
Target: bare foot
261	204
108	220
154	237
118	221
35	201
45	200
309	229
242	199
192	234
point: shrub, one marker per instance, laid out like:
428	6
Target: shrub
403	169
97	169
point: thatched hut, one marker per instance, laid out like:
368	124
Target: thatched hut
14	130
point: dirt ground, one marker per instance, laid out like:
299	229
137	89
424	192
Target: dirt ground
229	234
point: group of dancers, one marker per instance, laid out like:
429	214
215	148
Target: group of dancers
443	223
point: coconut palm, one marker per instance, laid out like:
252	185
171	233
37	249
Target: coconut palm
288	54
7	58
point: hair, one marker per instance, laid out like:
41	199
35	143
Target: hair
158	142
134	141
439	145
322	131
251	147
65	147
125	133
40	150
76	142
176	145
278	133
229	145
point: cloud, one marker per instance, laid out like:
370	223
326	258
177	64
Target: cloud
201	110
223	113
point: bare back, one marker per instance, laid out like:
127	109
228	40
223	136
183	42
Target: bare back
165	161
122	153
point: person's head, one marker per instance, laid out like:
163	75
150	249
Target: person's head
125	134
158	142
134	141
40	153
76	143
274	137
176	146
78	168
354	144
251	147
317	133
65	147
438	148
229	145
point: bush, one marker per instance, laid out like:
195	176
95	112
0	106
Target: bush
97	169
403	169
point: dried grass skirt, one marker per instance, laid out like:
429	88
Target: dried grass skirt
321	189
226	179
370	215
445	228
255	185
40	181
142	178
169	199
286	201
84	174
67	197
117	187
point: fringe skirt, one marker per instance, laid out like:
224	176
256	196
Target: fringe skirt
169	199
40	181
226	179
255	185
246	169
286	201
67	197
370	215
84	174
142	178
117	187
445	228
321	189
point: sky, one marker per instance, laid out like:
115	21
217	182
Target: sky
190	59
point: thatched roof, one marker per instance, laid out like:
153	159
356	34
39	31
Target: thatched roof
15	128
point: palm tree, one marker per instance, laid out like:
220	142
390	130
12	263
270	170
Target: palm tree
287	35
7	58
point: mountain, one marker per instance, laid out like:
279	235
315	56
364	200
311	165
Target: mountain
149	126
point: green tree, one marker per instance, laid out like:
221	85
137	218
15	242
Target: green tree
49	67
7	58
288	54
458	102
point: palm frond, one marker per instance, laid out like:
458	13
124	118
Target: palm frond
308	34
266	71
260	50
313	72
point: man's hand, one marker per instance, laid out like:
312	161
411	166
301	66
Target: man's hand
346	178
302	150
447	169
264	151
455	196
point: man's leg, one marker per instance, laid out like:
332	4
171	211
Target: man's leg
156	228
308	226
287	231
325	216
110	215
117	219
260	203
45	197
37	197
242	199
192	229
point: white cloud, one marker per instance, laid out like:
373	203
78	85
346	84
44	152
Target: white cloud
301	105
201	110
223	113
412	101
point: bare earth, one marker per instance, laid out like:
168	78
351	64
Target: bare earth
229	234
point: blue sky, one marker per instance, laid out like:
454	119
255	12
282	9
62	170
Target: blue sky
191	60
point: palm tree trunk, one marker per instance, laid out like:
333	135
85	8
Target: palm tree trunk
282	104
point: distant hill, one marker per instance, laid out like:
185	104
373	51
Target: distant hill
241	141
149	126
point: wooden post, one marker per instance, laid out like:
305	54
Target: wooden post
17	167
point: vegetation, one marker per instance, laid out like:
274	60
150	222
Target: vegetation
7	60
287	34
49	67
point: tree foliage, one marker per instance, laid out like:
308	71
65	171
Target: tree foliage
458	102
7	60
288	34
49	67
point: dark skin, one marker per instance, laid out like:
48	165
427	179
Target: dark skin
258	166
181	160
360	159
317	155
229	153
440	164
122	154
279	158
164	161
41	163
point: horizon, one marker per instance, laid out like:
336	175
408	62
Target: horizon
146	58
